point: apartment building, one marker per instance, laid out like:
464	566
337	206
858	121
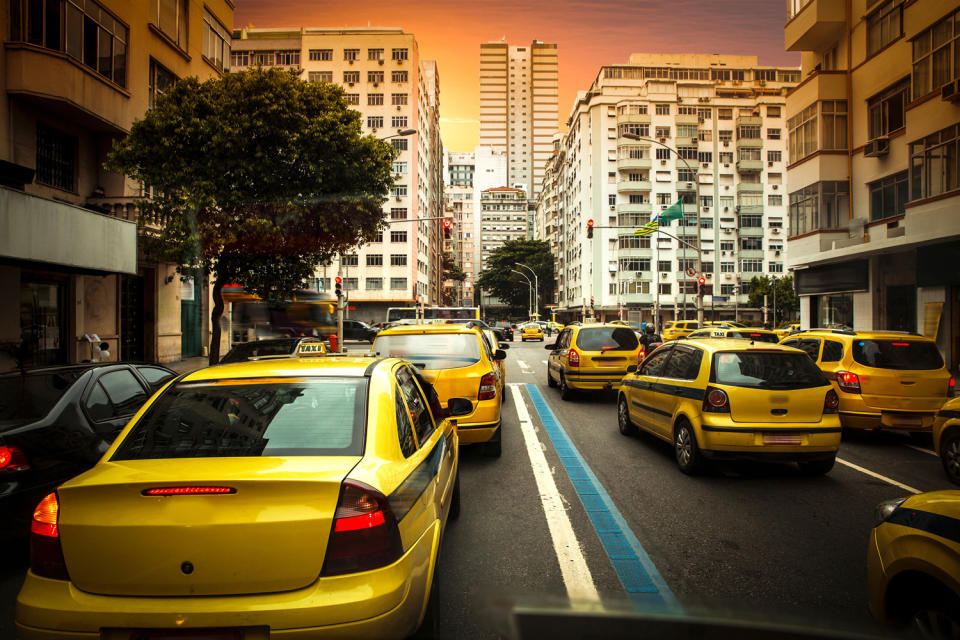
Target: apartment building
385	79
712	133
874	203
76	74
519	107
459	168
459	206
502	217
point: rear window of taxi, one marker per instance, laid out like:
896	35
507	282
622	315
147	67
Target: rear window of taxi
607	339
897	354
246	418
763	369
431	351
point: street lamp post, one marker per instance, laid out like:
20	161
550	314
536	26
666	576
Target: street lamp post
529	293
696	204
536	289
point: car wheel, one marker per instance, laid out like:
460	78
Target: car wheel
566	393
455	498
817	467
624	423
937	619
492	448
688	455
950	455
550	381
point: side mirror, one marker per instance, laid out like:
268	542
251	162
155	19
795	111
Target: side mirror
632	368
459	407
504	346
500	355
551	346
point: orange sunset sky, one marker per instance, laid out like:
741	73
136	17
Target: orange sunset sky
590	33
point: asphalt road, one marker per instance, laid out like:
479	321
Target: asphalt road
744	540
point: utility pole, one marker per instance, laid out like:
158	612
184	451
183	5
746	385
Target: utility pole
536	289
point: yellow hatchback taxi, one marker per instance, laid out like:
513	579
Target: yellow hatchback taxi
913	564
283	498
946	438
757	335
886	379
459	363
531	331
731	399
679	329
591	357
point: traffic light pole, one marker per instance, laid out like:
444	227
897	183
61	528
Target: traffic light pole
339	292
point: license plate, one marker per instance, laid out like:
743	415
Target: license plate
782	438
187	634
905	419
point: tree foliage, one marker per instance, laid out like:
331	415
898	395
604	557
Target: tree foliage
787	301
512	288
451	270
258	176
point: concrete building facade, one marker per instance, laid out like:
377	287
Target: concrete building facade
714	136
874	143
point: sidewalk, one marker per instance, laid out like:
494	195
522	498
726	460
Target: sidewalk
188	365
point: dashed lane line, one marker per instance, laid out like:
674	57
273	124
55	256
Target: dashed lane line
922	450
523	365
876	475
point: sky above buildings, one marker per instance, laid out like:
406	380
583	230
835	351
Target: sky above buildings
590	34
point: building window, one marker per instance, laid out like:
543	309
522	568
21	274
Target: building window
351	284
775	200
374	99
375	122
398	76
774	156
725	135
320	55
885	111
216	41
705	157
374	54
749	131
933	163
751	244
773	112
375	76
351	98
728	289
351	54
819	206
665	288
662	132
399	54
399	190
398	122
349	260
320	76
662	109
751	221
239	59
374	284
287	58
398	99
663	154
664	266
398	259
398	283
724	114
398	213
398	236
401	167
773	134
170	16
634	264
936	56
888	196
884	25
642	130
374	260
351	76
728	267
159	81
751	266
399	144
56	158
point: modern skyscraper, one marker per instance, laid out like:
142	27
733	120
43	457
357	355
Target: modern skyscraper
519	102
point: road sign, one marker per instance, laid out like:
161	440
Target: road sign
691	271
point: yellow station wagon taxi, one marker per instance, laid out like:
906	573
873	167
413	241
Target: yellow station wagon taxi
459	363
294	497
886	379
591	357
757	335
913	563
730	399
531	331
679	329
946	438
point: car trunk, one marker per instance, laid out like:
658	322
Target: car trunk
899	390
790	406
268	536
454	383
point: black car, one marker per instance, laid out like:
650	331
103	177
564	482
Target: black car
56	422
506	329
356	330
257	348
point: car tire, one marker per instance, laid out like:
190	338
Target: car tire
624	423
493	447
455	499
936	617
950	454
685	449
550	381
817	467
566	393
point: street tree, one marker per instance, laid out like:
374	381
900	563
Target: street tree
258	177
511	288
786	299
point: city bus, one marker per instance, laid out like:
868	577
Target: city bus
308	313
434	313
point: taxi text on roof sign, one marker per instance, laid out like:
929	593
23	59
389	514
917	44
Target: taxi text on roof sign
311	348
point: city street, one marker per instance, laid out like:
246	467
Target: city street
747	540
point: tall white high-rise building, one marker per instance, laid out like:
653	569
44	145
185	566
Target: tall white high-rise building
519	107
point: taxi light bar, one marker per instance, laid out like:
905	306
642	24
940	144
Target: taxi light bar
365	532
12	459
187	491
46	554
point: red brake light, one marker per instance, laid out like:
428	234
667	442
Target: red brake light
365	533
46	554
848	381
952	383
187	491
573	358
900	344
641	355
45	517
716	401
488	387
831	403
12	459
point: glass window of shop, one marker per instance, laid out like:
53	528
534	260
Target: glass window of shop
42	321
832	311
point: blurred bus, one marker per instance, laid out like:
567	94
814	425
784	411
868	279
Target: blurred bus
308	313
434	313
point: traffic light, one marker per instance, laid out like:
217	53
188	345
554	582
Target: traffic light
447	227
590	228
338	288
701	285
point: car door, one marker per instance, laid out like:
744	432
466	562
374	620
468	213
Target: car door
641	396
111	399
676	384
556	361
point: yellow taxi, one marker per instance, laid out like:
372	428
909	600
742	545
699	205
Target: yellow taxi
295	497
730	399
679	329
531	331
718	331
495	345
946	438
591	357
459	363
913	563
886	379
790	329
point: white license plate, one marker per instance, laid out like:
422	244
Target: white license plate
905	420
782	438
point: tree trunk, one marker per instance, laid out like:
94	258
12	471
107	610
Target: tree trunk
215	314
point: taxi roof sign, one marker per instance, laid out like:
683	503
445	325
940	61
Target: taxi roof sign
311	348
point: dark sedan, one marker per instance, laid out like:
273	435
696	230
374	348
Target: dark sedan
356	330
56	422
506	329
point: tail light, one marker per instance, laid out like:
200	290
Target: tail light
573	358
848	381
716	401
831	403
488	387
46	554
12	459
951	384
641	355
365	535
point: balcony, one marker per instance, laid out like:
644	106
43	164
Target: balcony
633	118
749	166
748	209
749	143
687	118
813	24
749	121
635	207
634	163
749	187
633	185
751	232
635	252
746	254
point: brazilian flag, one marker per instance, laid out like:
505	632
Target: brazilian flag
673	212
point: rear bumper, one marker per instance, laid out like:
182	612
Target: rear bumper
385	602
887	420
477	433
746	441
579	381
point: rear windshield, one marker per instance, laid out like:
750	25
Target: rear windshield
302	417
531	325
757	336
247	350
766	370
607	339
30	397
897	354
431	350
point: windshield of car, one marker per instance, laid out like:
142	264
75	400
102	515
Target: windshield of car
300	417
532	326
31	396
904	354
607	339
765	370
247	350
431	350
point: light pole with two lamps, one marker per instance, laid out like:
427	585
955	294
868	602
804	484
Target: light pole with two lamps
529	293
536	290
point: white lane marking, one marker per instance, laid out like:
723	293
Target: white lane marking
878	476
544	361
523	365
573	566
922	450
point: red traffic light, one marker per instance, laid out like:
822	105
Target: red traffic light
590	223
338	279
702	280
447	223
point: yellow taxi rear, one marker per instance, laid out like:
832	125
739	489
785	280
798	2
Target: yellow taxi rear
679	329
294	498
727	399
458	362
591	357
913	563
531	331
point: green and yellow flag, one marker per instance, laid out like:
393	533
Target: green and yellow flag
673	212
